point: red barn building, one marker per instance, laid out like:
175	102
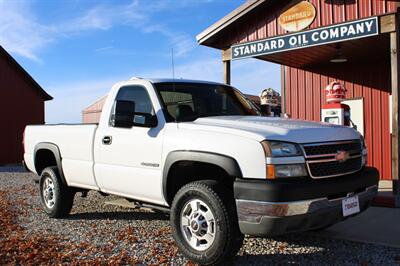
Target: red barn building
316	42
92	113
21	103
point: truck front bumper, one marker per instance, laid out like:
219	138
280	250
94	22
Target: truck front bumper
290	206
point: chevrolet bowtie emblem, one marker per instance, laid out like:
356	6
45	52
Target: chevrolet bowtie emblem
342	156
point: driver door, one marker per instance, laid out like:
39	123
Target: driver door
129	161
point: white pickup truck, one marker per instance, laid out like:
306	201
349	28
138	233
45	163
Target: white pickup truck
203	152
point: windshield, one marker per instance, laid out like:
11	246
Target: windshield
189	101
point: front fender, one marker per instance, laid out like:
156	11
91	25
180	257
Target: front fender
227	163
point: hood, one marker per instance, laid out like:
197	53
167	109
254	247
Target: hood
271	128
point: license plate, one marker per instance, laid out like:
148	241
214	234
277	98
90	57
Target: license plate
350	206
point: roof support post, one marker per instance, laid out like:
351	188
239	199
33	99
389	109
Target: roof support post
226	60
387	23
395	78
283	89
227	72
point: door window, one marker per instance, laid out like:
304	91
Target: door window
136	94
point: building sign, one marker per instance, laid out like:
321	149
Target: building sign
335	33
298	17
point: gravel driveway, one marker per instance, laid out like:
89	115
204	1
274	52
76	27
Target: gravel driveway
95	233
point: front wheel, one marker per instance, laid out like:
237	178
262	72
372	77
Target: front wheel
56	198
204	223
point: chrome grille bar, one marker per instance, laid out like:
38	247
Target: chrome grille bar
328	161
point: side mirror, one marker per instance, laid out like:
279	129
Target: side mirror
145	120
126	117
124	113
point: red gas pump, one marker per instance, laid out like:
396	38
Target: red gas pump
334	111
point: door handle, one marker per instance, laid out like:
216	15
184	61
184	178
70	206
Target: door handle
107	140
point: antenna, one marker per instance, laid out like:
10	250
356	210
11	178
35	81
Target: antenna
173	69
173	64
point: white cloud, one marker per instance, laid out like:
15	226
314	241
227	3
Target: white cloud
103	49
137	14
181	42
104	17
22	33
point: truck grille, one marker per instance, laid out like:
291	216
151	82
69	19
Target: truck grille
323	161
334	168
332	148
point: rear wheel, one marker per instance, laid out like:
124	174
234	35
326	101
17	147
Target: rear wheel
204	223
56	198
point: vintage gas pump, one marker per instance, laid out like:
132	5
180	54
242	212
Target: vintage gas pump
270	102
334	111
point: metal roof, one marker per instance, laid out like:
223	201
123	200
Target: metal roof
45	95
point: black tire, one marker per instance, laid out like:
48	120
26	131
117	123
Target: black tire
62	196
228	238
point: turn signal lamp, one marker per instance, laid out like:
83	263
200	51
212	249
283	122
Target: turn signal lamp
271	171
282	149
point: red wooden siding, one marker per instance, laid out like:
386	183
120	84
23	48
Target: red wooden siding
20	104
304	96
263	24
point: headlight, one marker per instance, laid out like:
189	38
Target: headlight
280	149
283	149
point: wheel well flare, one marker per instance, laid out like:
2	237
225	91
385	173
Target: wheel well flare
183	172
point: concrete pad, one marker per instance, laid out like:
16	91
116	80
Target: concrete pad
385	186
376	226
385	197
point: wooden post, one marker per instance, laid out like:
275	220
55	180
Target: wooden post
227	72
283	89
387	23
395	77
226	60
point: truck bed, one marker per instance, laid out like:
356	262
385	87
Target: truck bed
75	143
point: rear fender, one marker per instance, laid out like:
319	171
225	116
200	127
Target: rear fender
57	155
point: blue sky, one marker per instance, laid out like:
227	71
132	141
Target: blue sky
78	49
